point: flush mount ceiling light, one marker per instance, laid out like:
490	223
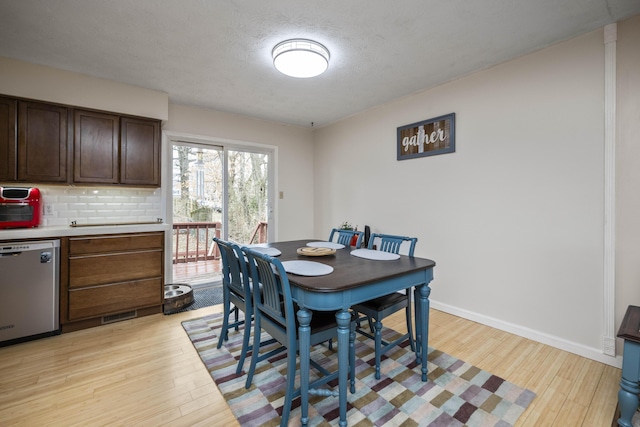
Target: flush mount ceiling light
300	58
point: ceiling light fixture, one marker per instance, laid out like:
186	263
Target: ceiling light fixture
300	58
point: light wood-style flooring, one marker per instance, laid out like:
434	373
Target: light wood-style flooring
195	273
145	372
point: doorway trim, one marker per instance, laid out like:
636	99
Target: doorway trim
168	137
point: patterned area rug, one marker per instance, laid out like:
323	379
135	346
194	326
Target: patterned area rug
457	393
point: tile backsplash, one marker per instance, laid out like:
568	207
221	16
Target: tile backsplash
99	205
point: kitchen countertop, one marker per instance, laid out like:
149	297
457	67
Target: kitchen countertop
63	231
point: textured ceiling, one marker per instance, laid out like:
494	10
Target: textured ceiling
217	53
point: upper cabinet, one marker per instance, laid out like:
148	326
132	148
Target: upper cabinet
42	142
50	143
33	141
96	147
8	138
140	151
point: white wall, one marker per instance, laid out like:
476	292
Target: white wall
627	168
294	157
513	218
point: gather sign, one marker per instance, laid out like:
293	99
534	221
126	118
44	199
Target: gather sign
427	138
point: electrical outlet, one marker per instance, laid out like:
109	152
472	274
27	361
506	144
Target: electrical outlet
48	209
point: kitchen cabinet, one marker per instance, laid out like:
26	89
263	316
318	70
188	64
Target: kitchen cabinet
113	149
110	277
140	157
42	142
8	138
96	147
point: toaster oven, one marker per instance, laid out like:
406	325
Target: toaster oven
20	207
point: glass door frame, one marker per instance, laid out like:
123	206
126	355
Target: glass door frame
168	140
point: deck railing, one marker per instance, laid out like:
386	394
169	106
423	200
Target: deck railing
260	232
193	241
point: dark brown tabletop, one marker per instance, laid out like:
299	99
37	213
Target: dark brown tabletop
349	271
630	327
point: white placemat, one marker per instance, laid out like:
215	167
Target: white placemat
374	255
307	268
265	250
330	245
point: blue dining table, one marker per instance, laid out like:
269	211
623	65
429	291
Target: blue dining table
353	280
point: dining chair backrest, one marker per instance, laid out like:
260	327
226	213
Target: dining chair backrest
237	296
345	237
390	243
275	313
235	273
272	299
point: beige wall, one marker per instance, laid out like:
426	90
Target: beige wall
294	213
27	80
628	168
513	218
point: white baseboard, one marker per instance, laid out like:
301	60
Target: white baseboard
553	341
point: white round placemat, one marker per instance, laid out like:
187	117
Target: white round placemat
266	250
330	245
307	268
374	255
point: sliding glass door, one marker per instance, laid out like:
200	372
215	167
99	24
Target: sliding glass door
218	191
248	196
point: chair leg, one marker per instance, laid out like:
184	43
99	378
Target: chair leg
255	350
225	320
235	312
378	343
410	327
245	342
418	333
288	396
371	328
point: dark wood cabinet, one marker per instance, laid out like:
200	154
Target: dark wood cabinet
110	277
42	142
50	143
8	138
96	148
140	157
113	149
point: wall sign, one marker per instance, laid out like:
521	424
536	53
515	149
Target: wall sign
427	138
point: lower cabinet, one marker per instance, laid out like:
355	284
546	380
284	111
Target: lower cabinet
107	278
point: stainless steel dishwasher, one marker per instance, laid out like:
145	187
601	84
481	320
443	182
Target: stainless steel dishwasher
29	291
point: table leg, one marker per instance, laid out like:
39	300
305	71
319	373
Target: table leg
416	299
343	318
304	336
629	387
422	312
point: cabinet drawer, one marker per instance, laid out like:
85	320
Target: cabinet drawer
120	243
116	298
92	270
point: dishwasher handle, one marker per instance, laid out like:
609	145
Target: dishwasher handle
8	254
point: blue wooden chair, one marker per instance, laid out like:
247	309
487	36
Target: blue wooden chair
275	312
377	309
236	288
344	237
